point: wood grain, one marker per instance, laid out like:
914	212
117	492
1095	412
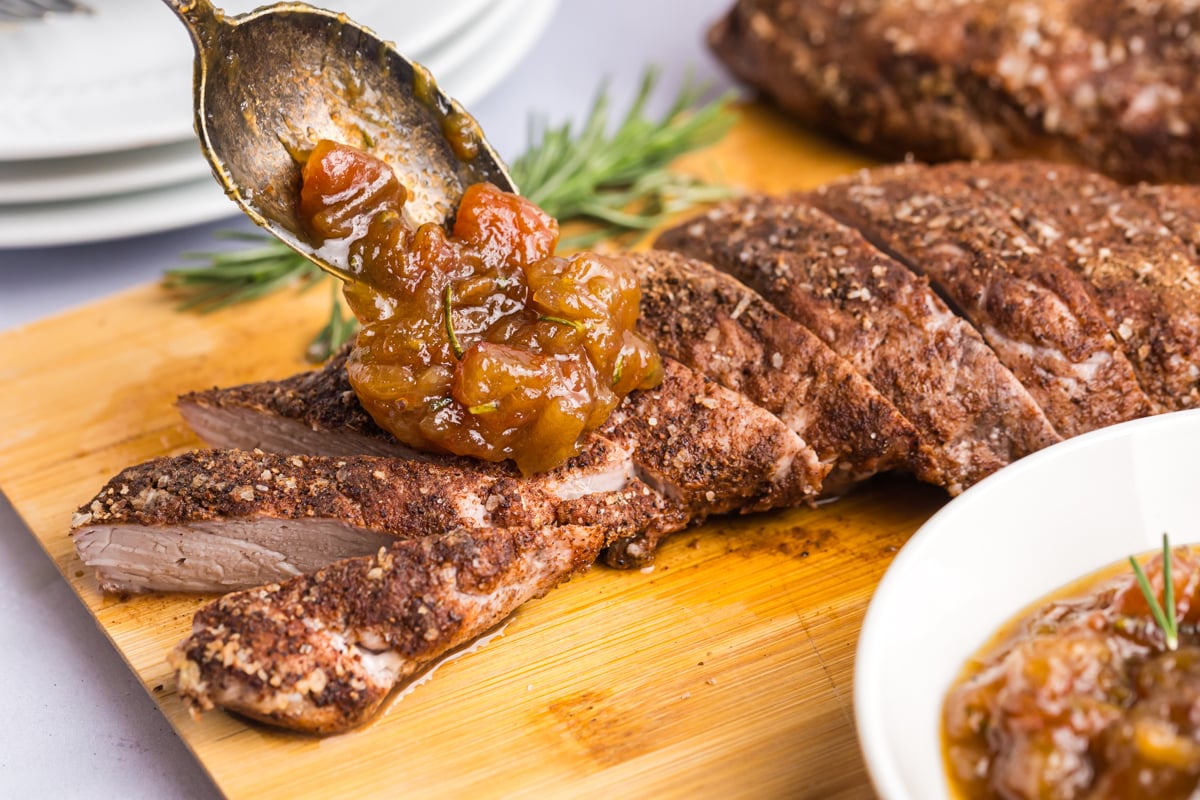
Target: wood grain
723	671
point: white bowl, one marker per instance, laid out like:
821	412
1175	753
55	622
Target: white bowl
1032	527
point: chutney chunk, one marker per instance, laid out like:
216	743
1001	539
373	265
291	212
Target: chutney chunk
479	341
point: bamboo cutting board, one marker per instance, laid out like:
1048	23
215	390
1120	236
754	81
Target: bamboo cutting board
725	670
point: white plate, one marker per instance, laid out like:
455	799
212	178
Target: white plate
115	217
120	78
1029	529
81	177
195	201
418	27
474	57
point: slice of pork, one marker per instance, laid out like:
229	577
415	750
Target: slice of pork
973	416
705	422
1031	307
293	415
225	519
1177	206
726	331
319	653
1146	281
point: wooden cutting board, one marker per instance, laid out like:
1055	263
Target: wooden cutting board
725	670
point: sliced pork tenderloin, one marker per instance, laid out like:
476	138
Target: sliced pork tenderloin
972	415
1146	281
1029	305
726	331
217	520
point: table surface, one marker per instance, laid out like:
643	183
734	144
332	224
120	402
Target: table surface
80	724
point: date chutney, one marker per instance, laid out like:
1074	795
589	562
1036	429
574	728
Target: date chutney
479	341
1084	697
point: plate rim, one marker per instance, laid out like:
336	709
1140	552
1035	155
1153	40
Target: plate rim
474	77
164	130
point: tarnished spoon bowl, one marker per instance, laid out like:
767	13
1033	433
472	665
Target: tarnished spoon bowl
271	83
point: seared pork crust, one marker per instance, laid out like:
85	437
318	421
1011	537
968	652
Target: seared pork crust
1177	206
711	451
320	653
973	416
228	519
724	330
386	494
1104	83
293	415
1030	306
1144	279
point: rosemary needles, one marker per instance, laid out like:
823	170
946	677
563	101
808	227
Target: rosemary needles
1166	619
619	181
235	276
616	183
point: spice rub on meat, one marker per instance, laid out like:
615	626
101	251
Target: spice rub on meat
1027	302
723	329
972	415
1144	279
319	653
710	450
1177	206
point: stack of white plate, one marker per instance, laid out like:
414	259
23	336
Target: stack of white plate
96	137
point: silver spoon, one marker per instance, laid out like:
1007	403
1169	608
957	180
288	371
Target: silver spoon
271	83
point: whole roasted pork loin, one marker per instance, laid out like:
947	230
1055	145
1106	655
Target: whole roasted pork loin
941	321
1108	84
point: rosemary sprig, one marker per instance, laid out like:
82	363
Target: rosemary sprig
617	184
578	326
1166	621
235	276
485	408
618	369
